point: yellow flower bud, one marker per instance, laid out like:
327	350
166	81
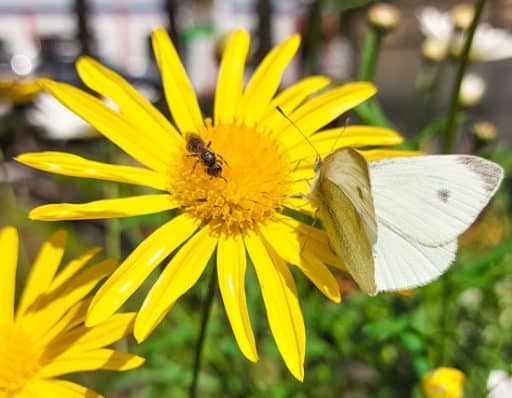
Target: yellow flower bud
462	16
434	49
384	16
443	383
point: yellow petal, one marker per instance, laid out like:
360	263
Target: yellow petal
378	154
281	302
231	74
83	339
76	166
73	266
291	246
327	141
288	100
139	264
109	123
178	277
9	254
181	99
53	305
312	240
43	269
231	265
265	81
71	318
108	208
134	107
103	358
38	388
323	109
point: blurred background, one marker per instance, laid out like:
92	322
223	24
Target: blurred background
364	347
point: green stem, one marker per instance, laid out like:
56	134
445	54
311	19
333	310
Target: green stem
369	56
113	225
370	111
448	147
451	124
205	316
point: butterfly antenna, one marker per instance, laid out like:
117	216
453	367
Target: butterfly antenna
318	157
333	147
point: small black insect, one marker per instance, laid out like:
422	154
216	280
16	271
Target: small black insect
212	161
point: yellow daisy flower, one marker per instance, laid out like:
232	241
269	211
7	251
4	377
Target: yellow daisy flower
44	337
18	91
229	207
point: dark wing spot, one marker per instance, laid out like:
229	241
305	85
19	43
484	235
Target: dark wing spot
360	193
444	195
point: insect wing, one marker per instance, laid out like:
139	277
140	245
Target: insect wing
432	199
343	197
422	204
347	169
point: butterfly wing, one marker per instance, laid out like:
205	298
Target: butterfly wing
342	196
348	170
422	204
432	199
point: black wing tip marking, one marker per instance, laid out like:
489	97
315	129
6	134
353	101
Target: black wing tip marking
491	173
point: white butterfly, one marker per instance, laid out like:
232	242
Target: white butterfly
407	211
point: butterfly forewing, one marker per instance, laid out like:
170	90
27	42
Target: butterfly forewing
342	196
432	199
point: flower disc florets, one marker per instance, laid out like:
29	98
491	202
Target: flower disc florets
253	184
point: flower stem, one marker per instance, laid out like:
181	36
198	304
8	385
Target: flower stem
369	56
448	147
205	316
113	225
451	124
370	111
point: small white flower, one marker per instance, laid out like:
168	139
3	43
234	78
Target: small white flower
56	121
499	384
435	23
489	44
472	90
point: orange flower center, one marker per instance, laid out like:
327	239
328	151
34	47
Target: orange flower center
244	184
19	359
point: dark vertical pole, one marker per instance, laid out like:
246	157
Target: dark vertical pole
171	11
313	36
83	29
264	28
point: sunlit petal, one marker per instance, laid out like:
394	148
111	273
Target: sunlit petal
9	250
108	208
292	247
231	73
108	122
40	388
134	107
102	358
139	264
231	265
181	99
281	302
43	269
178	277
265	81
76	166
